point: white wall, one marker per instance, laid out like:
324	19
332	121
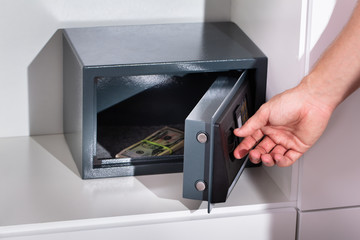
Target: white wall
330	175
332	224
30	47
278	27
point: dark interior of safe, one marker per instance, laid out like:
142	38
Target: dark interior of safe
130	108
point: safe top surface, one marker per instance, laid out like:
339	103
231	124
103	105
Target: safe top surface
166	43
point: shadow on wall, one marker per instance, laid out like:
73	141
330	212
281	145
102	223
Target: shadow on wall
217	11
45	88
56	146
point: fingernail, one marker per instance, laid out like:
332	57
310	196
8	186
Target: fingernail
277	158
255	160
266	164
242	153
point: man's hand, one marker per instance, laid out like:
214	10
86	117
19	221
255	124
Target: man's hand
286	126
291	122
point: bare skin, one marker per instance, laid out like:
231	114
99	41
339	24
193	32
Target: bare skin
291	122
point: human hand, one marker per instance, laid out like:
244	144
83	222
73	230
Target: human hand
286	126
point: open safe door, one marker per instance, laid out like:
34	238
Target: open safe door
210	169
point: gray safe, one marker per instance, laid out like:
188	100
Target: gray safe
123	83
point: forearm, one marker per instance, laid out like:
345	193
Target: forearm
337	74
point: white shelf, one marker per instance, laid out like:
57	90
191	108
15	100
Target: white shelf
40	186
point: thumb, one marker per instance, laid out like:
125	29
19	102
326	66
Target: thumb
257	121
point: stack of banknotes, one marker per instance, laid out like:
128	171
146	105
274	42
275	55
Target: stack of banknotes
162	142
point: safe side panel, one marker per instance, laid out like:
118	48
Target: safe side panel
73	102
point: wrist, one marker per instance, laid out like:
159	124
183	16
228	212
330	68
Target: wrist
321	91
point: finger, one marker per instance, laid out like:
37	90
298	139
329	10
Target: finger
247	143
257	121
262	150
267	144
255	155
267	160
278	149
288	159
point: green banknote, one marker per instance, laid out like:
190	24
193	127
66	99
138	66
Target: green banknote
162	142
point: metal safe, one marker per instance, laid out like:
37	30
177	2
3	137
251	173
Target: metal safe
123	83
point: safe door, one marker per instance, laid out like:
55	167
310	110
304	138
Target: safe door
210	169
